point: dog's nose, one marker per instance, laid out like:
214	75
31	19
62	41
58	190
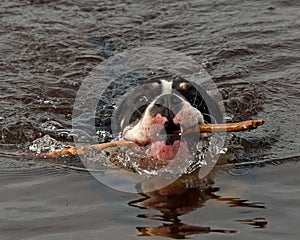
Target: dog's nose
167	105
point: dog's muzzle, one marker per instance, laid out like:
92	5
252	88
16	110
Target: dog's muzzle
162	125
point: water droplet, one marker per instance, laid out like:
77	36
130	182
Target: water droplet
143	99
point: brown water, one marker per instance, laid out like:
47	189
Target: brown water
250	48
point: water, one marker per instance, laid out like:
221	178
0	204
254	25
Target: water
250	48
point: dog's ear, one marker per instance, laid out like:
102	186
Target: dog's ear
209	108
199	99
131	107
122	113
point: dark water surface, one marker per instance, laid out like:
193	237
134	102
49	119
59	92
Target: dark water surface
250	49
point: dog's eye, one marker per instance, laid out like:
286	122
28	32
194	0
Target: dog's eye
184	85
154	85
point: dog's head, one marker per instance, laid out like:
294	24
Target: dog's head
159	112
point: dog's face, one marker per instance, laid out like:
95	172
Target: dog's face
157	114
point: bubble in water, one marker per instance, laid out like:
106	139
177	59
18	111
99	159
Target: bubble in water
143	99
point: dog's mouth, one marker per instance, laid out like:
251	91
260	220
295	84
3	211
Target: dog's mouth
165	140
169	133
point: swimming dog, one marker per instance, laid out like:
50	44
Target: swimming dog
157	113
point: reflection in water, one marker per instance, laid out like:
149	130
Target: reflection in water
178	230
185	195
255	222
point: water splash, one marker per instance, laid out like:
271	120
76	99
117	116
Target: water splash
45	144
136	160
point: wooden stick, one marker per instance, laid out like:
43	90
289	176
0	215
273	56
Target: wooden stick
230	127
203	128
73	151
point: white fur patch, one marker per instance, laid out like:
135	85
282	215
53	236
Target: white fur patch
166	86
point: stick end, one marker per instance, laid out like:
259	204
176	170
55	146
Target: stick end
257	123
